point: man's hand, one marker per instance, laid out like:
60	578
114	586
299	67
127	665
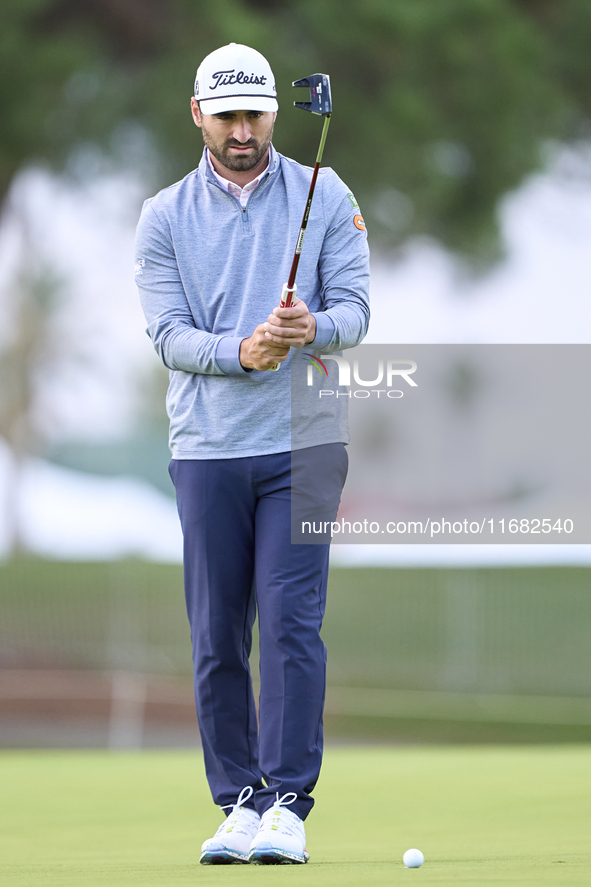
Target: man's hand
293	326
260	352
271	341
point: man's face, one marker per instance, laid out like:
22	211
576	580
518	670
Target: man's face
237	139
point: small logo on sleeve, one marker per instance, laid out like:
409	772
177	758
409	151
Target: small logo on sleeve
359	222
354	203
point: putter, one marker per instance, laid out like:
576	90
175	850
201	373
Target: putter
321	104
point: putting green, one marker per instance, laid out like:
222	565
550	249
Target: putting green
493	815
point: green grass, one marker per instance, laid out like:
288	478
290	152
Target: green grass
481	815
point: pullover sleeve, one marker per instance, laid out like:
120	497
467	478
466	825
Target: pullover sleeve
344	270
171	325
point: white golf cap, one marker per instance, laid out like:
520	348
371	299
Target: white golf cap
235	78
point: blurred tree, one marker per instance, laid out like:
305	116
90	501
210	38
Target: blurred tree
26	355
441	106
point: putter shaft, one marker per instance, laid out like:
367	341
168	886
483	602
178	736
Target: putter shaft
300	241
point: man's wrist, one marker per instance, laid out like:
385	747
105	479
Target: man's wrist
243	356
311	330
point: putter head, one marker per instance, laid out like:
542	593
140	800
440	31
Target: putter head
320	99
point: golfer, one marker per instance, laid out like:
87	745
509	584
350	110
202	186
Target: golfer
213	253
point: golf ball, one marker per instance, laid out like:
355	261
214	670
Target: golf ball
413	859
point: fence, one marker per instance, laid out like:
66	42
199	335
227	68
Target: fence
109	643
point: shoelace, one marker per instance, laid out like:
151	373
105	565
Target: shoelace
274	814
246	793
282	802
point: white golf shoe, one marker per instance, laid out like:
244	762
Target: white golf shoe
231	842
281	838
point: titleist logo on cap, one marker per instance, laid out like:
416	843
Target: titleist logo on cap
227	78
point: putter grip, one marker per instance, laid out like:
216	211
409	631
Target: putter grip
287	294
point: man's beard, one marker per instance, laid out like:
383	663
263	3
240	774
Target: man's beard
238	162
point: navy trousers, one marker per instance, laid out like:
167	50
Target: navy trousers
239	559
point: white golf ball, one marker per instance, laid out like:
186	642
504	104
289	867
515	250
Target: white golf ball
413	859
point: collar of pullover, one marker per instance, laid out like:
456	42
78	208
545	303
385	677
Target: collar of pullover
241	193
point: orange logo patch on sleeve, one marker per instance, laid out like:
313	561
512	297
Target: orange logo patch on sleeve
359	223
